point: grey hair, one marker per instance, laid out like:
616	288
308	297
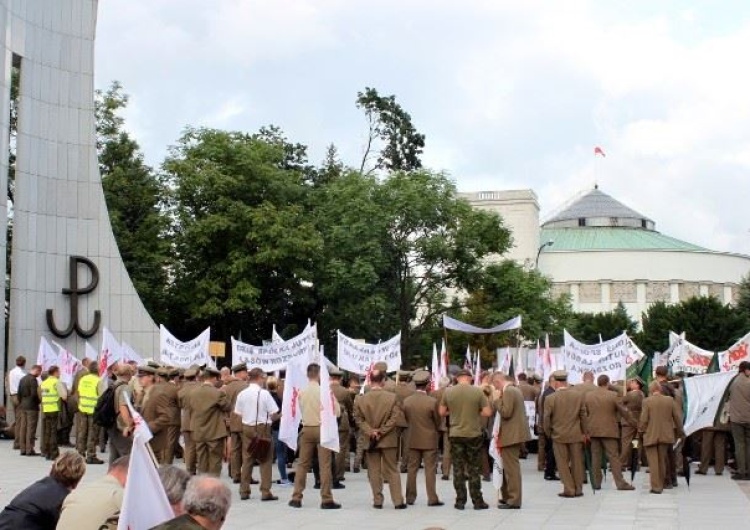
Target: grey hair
174	479
444	382
208	497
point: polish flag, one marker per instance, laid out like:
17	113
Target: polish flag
444	360
599	151
435	383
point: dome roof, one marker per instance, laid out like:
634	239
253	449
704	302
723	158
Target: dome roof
596	208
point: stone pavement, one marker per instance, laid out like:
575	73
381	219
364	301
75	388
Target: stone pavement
711	502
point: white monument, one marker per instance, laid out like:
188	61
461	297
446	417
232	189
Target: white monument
67	278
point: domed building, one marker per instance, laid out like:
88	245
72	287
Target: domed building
602	252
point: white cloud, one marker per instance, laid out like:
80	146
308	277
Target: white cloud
509	94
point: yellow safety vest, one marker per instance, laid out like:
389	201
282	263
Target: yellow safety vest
88	393
50	395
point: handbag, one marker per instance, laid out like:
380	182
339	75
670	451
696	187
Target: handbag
259	445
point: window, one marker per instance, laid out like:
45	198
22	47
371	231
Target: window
581	221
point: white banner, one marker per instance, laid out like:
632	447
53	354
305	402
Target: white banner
689	359
174	352
703	395
295	382
277	355
357	357
46	355
604	358
457	325
731	358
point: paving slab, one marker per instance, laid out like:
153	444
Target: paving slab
714	502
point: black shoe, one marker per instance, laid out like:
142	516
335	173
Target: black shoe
338	486
355	469
32	453
330	506
94	460
445	477
699	472
551	477
459	506
509	507
401	506
738	476
236	480
655	492
377	506
253	481
565	495
410	503
269	498
481	506
295	504
316	486
437	503
244	497
578	495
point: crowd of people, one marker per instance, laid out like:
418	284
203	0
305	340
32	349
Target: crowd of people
391	426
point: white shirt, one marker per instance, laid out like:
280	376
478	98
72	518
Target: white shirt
247	405
14	377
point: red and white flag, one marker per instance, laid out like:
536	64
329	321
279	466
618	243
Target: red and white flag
145	503
478	371
329	429
444	360
68	364
110	352
46	355
291	415
435	383
599	151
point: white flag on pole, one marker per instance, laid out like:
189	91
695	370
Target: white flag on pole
46	356
444	360
478	371
145	503
497	466
111	351
703	395
296	381
435	369
130	355
68	364
329	428
91	352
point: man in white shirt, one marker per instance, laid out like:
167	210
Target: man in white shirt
258	410
14	377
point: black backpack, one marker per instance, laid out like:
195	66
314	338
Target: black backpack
105	412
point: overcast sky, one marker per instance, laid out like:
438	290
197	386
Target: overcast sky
509	94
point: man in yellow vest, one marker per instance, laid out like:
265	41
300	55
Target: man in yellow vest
52	391
87	432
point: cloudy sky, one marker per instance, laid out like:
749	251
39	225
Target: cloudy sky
509	94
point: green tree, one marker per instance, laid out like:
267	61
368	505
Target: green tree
394	247
707	323
245	243
390	124
592	327
743	301
136	200
507	290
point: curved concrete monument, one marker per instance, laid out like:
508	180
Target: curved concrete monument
62	238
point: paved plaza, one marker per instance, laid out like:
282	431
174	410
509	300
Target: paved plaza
711	502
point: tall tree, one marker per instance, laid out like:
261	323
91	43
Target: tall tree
390	124
245	244
507	290
136	199
592	327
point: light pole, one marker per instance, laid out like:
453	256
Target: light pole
538	252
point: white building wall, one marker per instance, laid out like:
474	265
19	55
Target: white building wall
59	208
520	212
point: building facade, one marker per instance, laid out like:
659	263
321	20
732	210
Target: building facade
601	252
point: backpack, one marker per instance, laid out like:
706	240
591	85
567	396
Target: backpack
105	412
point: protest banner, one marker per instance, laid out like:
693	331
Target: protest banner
457	325
277	355
531	417
688	358
607	357
740	351
357	357
174	352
